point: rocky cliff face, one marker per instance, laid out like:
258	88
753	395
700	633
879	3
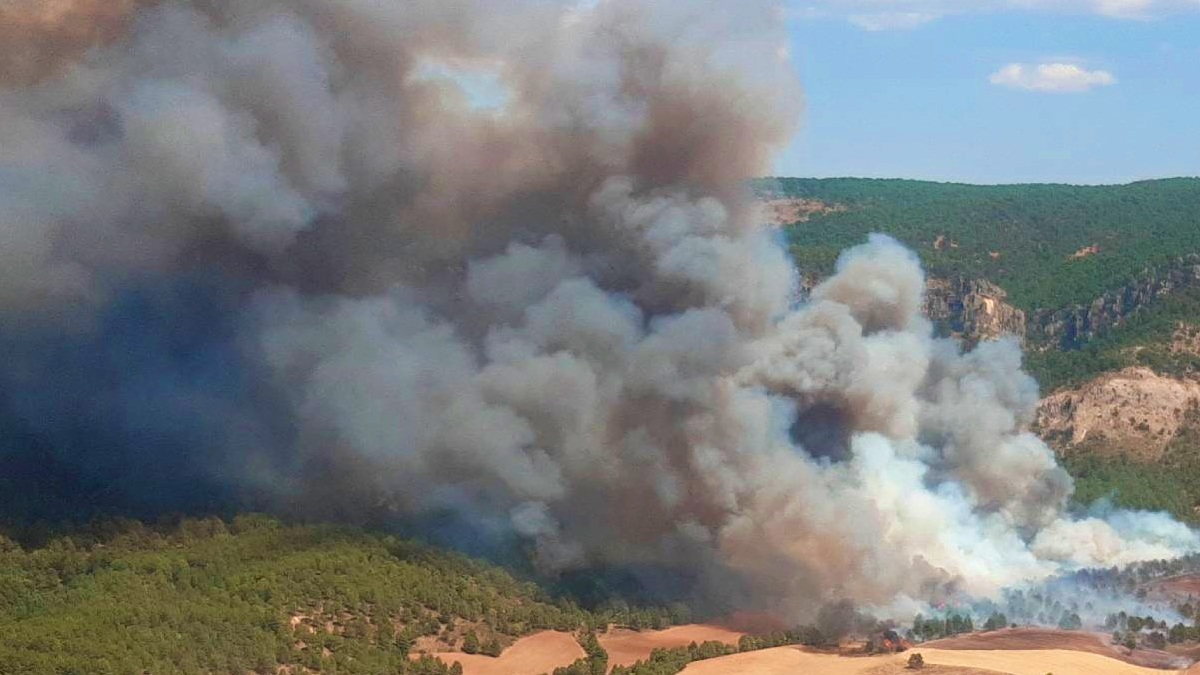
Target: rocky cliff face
1134	412
976	309
1072	327
972	309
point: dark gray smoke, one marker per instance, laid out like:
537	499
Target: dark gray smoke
291	252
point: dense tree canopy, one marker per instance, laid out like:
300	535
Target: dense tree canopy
206	596
1022	237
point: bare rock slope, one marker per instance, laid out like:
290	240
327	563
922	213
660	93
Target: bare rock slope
972	309
1134	411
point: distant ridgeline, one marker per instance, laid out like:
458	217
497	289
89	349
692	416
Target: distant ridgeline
1092	278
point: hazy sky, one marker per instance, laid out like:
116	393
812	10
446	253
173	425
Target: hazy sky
1080	91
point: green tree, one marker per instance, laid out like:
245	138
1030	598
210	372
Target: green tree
470	643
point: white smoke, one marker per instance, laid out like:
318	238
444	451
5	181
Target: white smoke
559	313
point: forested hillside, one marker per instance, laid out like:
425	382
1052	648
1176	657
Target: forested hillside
1162	336
1112	268
1047	245
1050	247
204	596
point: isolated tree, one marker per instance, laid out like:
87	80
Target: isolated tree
993	622
470	643
1070	621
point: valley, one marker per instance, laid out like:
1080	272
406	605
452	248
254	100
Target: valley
1106	310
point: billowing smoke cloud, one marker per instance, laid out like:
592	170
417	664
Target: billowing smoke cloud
41	37
263	248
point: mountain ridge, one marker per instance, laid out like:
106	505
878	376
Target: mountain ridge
1100	283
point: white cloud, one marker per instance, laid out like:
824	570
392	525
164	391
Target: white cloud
891	20
1121	9
876	15
1133	9
1051	77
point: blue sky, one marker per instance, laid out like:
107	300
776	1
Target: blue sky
1083	91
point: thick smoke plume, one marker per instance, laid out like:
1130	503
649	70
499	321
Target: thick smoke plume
284	249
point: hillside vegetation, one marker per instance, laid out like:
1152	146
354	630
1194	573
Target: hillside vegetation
252	595
1035	241
1049	247
1171	484
1161	337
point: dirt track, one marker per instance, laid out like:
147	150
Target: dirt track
1038	662
533	655
796	661
1007	652
788	661
1046	638
791	660
543	652
1178	587
626	647
1027	639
